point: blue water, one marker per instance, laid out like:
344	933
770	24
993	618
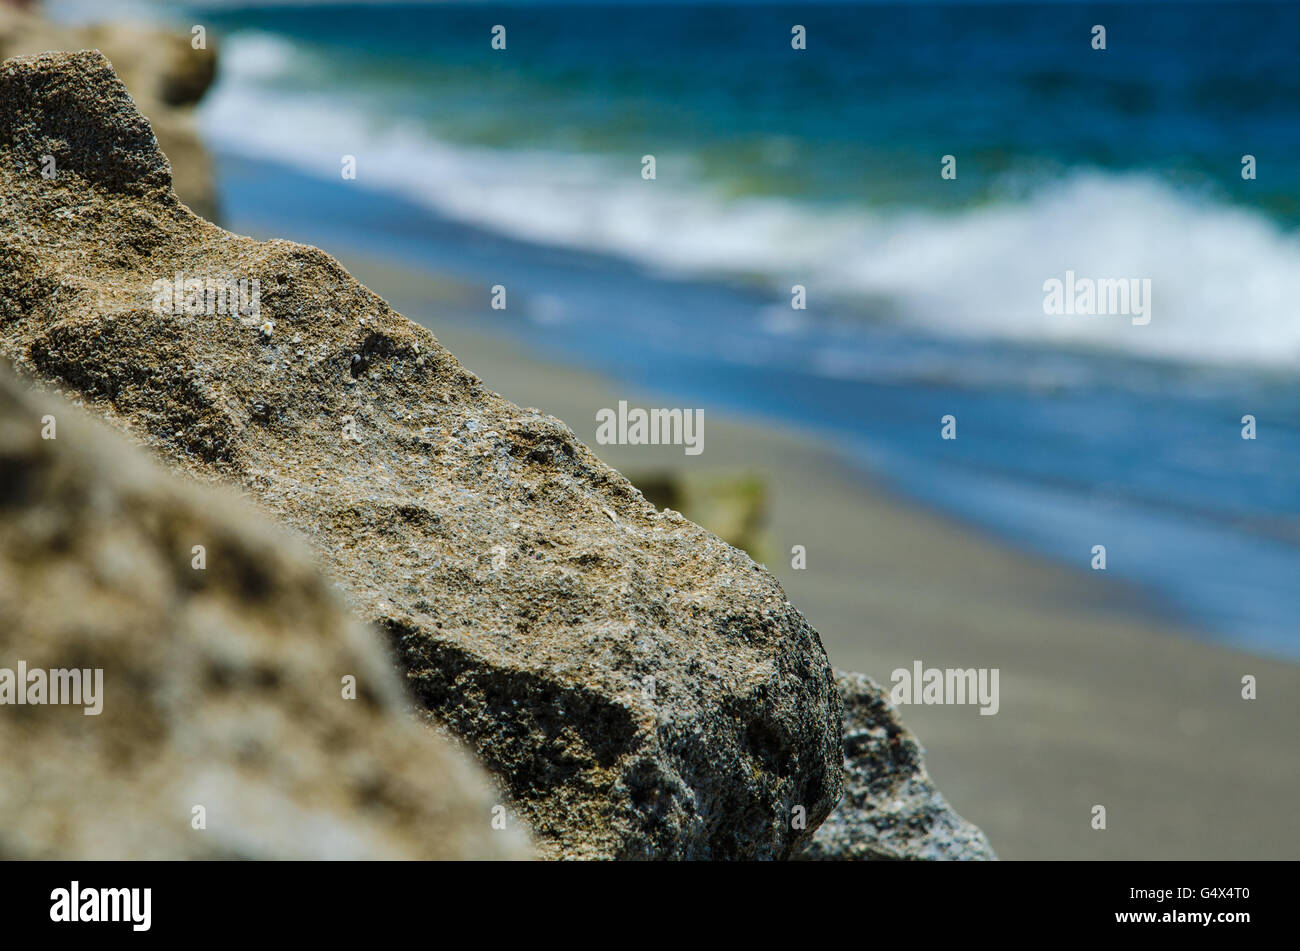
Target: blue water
821	167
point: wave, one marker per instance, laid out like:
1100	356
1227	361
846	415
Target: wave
1225	279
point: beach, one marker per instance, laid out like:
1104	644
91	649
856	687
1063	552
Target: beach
837	274
1103	700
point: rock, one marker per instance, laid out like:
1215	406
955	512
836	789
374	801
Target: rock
891	809
640	687
165	75
222	687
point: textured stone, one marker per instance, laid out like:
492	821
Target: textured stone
222	687
162	70
641	688
891	808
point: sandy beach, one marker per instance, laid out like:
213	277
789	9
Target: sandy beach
1103	700
735	235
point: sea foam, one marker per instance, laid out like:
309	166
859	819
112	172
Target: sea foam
1224	277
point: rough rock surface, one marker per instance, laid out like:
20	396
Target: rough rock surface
222	687
161	69
641	688
891	809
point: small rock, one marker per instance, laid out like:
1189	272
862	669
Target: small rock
891	808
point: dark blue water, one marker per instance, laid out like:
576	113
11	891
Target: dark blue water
864	113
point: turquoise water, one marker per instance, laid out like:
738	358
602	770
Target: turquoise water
821	167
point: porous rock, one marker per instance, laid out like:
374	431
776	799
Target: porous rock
164	71
891	809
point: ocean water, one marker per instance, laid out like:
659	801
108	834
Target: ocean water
821	167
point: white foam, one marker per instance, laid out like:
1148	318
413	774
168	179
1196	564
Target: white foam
258	57
1225	279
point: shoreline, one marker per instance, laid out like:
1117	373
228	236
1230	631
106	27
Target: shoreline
1240	602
